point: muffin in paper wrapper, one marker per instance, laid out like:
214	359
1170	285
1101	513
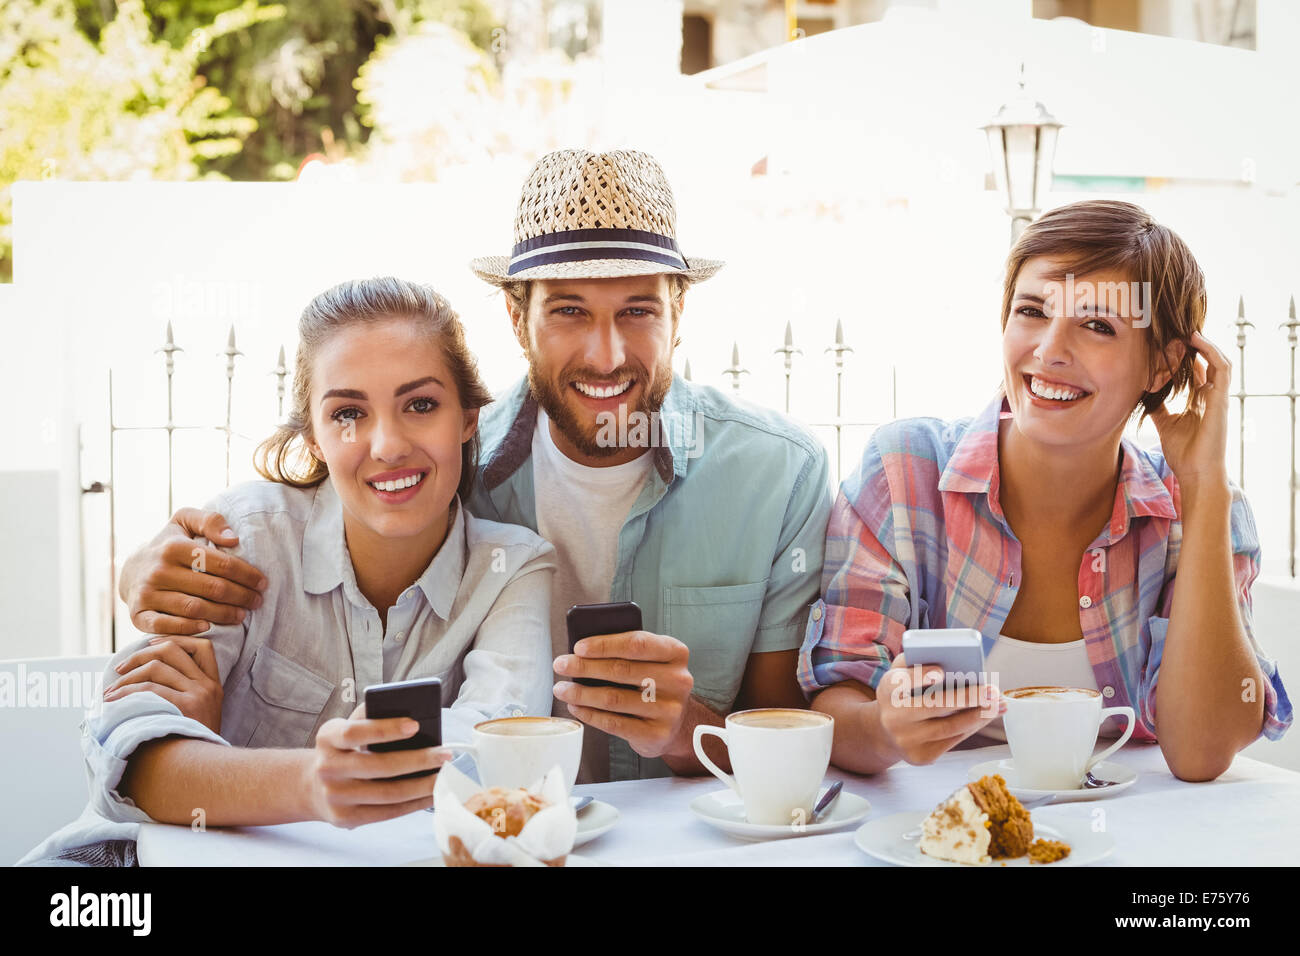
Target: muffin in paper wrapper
545	840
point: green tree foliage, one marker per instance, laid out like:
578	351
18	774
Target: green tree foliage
124	106
295	73
185	89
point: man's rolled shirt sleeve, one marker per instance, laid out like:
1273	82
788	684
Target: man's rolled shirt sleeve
1245	569
797	565
856	629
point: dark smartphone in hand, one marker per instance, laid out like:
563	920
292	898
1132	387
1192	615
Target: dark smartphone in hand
590	620
421	700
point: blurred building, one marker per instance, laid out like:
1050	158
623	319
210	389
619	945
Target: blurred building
716	32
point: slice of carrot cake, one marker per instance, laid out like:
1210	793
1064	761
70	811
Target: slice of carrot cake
978	823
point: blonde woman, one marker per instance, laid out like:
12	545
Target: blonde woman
380	575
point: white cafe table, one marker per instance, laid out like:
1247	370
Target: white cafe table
1245	817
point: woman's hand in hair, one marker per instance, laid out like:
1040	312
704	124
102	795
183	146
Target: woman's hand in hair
182	670
1195	441
175	586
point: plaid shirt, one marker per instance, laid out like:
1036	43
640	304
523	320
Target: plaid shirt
917	539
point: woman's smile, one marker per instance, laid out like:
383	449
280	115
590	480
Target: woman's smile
397	487
1052	394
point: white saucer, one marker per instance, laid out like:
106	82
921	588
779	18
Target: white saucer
597	818
883	839
724	810
1123	777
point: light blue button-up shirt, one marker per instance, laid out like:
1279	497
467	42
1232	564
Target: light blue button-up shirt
723	548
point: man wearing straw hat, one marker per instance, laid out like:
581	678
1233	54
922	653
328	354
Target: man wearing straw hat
710	515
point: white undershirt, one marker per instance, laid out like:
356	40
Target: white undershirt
581	511
1027	664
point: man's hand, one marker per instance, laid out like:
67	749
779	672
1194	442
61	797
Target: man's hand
182	670
651	713
346	783
173	586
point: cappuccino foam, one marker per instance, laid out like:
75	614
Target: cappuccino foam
781	719
1051	693
528	726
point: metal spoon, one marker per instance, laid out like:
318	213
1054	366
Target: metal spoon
825	802
915	832
1093	783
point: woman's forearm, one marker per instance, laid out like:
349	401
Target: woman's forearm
173	778
1209	695
861	744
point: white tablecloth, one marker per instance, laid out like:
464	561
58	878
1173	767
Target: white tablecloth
1246	817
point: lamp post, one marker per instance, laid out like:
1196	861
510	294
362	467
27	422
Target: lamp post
1022	144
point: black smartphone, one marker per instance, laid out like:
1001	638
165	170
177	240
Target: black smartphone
589	620
421	700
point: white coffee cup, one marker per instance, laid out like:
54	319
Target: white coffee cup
515	752
1052	730
779	757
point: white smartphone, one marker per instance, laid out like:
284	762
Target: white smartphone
958	650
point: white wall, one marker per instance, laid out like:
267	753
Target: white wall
39	496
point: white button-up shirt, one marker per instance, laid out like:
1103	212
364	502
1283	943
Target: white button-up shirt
478	618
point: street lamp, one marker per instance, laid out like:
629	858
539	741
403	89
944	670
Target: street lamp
1022	143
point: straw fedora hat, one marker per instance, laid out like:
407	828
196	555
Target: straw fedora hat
585	215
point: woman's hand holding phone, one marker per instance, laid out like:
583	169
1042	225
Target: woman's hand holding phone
348	784
923	727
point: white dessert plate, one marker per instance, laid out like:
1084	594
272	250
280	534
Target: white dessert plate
1122	776
883	839
597	818
723	809
571	860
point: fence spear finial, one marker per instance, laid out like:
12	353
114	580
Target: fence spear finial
169	347
230	352
280	371
1242	325
686	370
789	351
735	371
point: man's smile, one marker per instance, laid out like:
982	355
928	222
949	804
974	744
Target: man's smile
596	390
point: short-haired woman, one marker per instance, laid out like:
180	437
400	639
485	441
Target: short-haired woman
1082	559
